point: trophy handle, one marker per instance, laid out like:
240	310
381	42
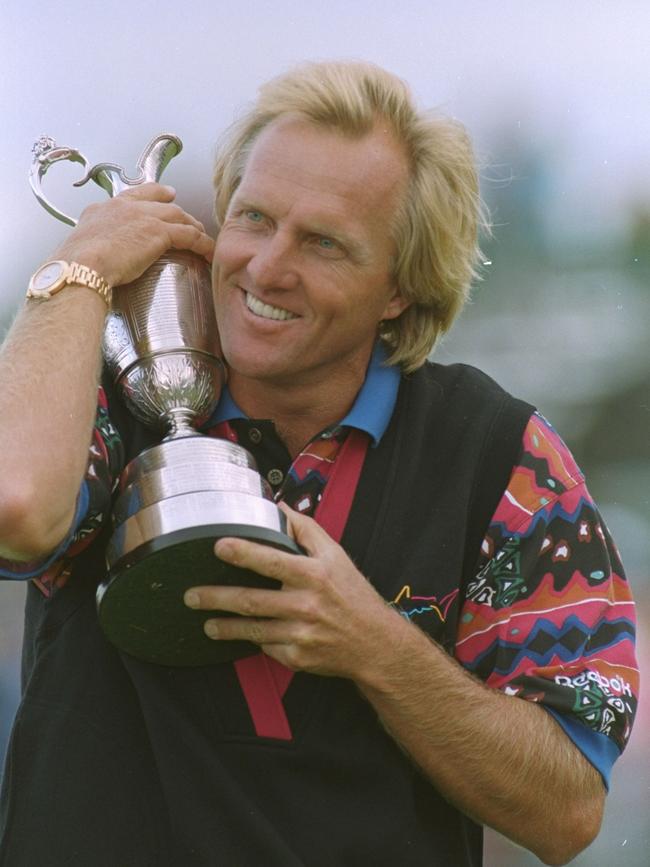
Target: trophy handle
46	153
109	176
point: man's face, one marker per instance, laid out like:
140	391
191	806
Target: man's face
302	262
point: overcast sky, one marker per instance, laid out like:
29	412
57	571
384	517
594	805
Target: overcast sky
571	79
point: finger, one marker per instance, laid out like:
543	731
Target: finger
249	629
250	602
171	213
306	532
290	569
150	191
166	212
182	237
182	230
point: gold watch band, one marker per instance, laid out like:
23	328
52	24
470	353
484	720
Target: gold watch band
87	277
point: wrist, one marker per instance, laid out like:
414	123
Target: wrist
97	255
59	274
398	642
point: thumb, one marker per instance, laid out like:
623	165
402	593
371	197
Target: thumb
150	192
305	531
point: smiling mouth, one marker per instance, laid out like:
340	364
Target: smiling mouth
267	311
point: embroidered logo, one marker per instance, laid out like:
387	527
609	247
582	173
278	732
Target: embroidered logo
421	609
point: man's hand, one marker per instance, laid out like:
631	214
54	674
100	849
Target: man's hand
327	618
121	237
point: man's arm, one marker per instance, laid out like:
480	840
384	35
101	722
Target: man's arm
50	364
504	762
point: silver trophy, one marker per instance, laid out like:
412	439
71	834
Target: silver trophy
178	497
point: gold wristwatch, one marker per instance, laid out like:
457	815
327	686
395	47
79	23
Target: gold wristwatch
57	274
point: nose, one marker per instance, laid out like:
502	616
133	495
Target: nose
274	263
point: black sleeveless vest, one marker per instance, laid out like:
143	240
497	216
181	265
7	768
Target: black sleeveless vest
118	763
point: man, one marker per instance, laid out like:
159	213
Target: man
346	243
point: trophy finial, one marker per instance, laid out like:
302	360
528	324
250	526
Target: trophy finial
42	145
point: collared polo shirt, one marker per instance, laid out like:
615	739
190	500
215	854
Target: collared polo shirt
370	412
300	482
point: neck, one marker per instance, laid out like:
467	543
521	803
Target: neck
299	409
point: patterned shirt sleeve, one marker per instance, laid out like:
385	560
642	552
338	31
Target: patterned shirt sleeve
550	617
106	458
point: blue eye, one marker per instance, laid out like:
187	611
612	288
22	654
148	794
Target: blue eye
254	216
327	243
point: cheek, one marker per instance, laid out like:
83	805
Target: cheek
222	290
216	284
221	254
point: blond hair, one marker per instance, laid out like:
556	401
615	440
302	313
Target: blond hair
436	226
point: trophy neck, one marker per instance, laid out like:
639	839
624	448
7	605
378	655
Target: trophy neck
180	423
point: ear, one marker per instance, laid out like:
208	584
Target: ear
395	306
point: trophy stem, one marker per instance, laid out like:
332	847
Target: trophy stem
180	424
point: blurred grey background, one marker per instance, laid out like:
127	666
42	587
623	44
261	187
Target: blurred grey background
556	97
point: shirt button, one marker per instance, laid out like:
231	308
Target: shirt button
255	435
275	477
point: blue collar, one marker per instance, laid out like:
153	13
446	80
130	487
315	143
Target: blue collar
371	411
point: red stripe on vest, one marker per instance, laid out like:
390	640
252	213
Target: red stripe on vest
263	680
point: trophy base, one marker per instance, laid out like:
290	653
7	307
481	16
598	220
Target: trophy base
140	603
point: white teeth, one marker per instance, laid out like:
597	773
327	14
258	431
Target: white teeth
266	311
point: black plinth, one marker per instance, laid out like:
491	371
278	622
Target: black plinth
140	603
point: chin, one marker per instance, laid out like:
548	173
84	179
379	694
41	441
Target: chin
254	365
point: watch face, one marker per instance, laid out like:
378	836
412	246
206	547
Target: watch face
47	275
